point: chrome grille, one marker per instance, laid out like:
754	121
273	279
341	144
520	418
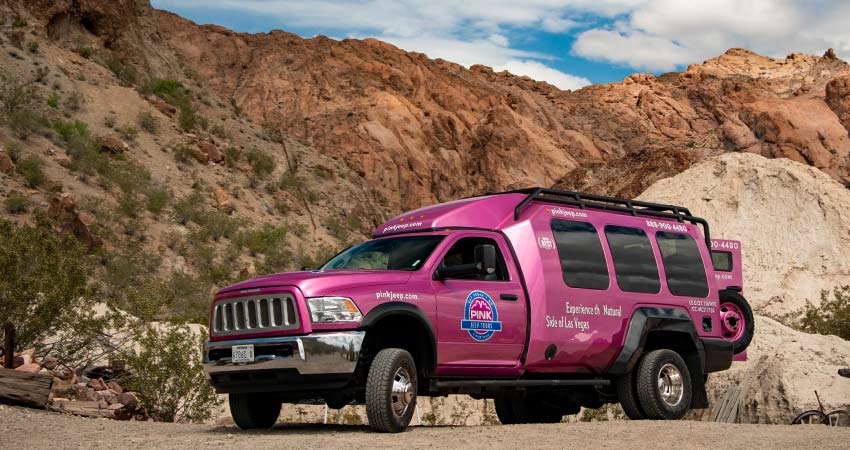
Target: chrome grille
252	314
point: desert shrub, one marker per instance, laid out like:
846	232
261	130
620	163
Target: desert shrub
211	224
271	132
32	46
232	156
188	119
85	51
168	375
158	198
219	131
75	101
32	169
341	229
263	240
322	172
19	105
128	132
183	154
123	71
168	90
16	203
53	99
110	121
262	163
148	122
43	281
832	316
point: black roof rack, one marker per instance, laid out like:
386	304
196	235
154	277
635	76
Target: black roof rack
590	201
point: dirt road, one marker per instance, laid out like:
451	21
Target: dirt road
23	428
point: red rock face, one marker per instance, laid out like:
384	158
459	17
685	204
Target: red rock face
420	131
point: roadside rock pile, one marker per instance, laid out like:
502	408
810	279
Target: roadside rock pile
793	221
96	393
794	224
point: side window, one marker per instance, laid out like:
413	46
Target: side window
634	262
467	251
582	260
722	261
682	264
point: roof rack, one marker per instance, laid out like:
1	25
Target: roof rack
586	201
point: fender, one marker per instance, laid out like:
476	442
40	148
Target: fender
388	309
645	320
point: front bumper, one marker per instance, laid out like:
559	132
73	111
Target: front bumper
315	361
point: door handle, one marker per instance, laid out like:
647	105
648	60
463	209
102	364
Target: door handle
509	297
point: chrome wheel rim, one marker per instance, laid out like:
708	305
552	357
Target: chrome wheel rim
402	392
671	386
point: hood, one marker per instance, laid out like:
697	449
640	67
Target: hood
314	283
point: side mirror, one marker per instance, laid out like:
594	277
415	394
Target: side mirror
457	271
485	255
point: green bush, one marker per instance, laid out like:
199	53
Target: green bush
232	156
263	240
219	132
183	154
124	72
128	132
262	163
33	47
832	316
158	198
20	105
43	281
16	203
75	101
53	100
167	374
32	169
85	51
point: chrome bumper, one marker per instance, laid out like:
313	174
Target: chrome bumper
313	354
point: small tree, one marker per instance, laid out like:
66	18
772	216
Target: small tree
167	373
43	281
832	316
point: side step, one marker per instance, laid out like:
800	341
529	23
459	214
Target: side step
477	386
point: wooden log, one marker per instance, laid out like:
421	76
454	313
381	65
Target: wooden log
81	408
25	389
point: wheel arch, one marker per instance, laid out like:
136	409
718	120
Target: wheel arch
402	325
653	328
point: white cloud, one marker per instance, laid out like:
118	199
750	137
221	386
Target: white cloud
666	34
540	71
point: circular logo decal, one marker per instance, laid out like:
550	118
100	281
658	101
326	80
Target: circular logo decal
480	317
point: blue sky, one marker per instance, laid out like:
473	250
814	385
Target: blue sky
569	43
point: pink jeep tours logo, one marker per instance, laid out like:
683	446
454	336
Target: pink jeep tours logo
480	317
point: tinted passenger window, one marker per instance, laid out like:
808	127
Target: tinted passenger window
682	264
634	262
463	252
722	261
582	260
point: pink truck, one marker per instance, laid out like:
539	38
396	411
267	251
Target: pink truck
543	300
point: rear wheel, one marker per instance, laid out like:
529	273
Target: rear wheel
664	385
391	390
251	411
627	393
736	320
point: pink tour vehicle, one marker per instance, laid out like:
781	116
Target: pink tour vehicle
543	300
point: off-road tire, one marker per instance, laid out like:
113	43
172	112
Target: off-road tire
252	411
505	411
648	373
738	300
627	394
379	394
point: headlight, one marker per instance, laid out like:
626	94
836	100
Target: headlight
333	309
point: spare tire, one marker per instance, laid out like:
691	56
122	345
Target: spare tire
736	320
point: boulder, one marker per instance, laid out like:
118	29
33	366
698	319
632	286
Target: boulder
83	393
115	387
64	373
211	150
221	198
129	399
113	144
6	164
29	368
163	107
62	210
49	362
97	384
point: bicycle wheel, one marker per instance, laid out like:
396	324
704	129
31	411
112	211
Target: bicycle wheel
811	417
838	418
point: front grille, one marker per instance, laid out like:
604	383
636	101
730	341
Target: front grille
253	314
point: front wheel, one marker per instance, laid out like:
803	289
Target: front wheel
664	385
251	411
391	390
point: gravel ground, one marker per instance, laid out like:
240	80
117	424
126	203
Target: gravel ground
23	428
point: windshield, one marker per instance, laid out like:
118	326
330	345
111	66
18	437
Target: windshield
398	253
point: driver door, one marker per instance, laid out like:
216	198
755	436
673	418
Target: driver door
481	316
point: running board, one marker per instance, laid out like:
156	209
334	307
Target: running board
461	384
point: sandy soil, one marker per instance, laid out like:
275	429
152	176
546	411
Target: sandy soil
38	429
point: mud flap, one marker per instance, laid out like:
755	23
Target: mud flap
699	398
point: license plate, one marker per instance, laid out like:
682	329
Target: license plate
242	353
